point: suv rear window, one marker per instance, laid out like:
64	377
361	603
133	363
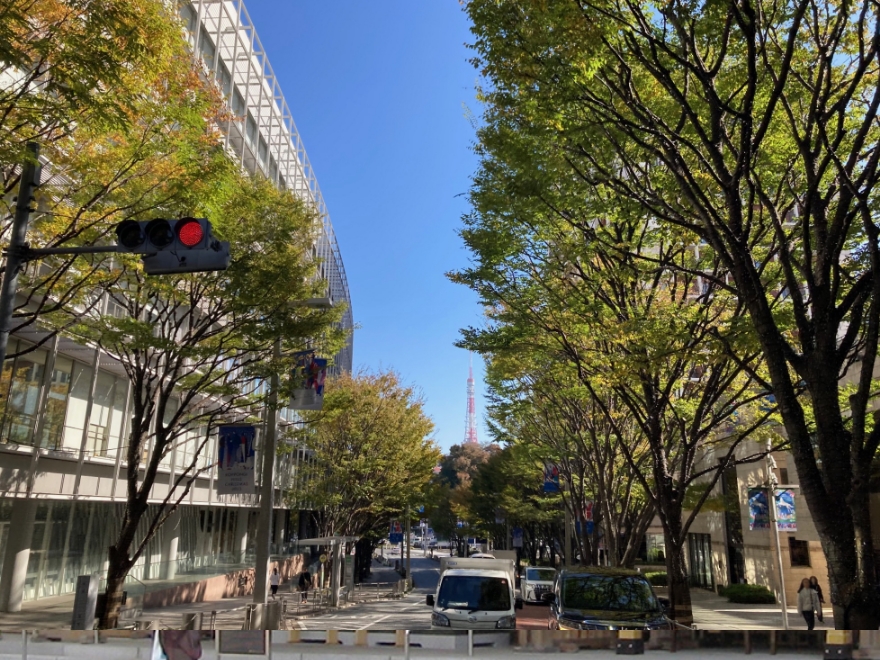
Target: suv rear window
616	593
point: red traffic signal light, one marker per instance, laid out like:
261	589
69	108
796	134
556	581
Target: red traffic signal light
189	232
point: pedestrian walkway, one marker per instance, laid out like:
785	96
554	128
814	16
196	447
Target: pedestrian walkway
712	612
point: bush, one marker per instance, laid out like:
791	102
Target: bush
657	579
755	594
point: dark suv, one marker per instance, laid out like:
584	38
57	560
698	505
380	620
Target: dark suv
596	598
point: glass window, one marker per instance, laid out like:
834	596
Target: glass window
188	14
799	552
24	395
224	78
238	105
251	130
263	150
56	403
540	574
78	399
117	428
206	48
98	436
617	593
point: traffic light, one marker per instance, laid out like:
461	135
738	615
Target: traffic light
173	246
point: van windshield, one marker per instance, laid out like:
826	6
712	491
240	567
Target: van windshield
617	593
540	574
474	592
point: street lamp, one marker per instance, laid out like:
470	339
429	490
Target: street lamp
267	486
772	484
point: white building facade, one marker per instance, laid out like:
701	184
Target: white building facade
65	406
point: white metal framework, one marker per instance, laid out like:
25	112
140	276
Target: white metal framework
263	136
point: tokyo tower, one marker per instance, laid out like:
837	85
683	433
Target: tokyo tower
470	425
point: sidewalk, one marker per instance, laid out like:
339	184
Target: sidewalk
712	612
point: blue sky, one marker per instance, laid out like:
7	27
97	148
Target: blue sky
378	90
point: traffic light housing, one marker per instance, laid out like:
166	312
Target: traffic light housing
173	246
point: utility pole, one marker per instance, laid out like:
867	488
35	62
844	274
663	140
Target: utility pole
30	180
774	527
267	486
408	544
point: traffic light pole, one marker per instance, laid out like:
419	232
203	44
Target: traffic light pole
17	243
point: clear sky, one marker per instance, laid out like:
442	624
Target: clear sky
380	92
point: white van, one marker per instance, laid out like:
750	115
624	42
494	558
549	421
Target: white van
536	581
475	594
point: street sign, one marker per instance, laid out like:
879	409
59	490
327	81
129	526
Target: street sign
323	559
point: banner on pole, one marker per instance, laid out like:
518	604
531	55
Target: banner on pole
551	478
309	374
786	520
235	459
517	537
395	536
759	509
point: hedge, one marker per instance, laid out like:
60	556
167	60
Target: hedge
658	579
754	594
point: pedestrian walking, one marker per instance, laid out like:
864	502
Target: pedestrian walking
808	603
274	581
305	582
814	583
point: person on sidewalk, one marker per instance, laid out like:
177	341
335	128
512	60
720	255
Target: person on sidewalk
305	582
274	581
814	582
808	603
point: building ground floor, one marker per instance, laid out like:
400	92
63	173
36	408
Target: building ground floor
726	544
61	539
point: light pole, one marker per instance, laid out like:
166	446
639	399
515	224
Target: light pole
267	486
771	492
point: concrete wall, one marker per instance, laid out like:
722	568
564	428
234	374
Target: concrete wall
220	586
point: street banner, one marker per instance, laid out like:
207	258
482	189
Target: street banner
786	521
517	537
759	509
588	510
309	374
551	478
396	534
235	459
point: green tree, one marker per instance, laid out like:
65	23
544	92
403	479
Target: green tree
753	126
102	87
636	311
372	454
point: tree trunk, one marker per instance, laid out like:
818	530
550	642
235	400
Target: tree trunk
679	589
119	565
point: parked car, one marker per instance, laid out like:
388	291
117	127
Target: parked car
536	581
596	598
